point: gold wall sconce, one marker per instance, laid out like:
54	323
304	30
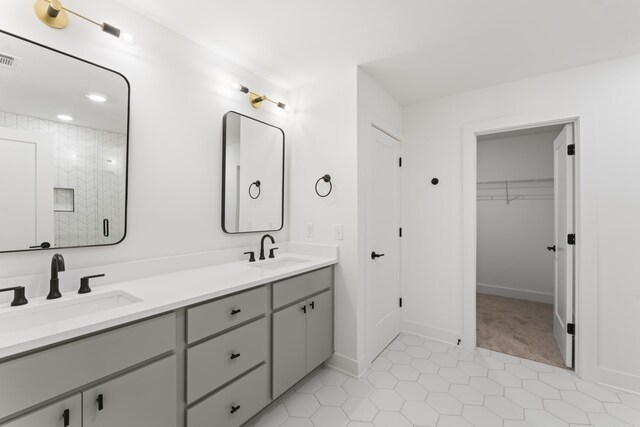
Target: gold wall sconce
55	15
256	99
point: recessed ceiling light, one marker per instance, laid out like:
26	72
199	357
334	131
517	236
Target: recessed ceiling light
96	97
64	117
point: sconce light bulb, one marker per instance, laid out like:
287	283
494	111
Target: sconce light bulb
127	38
238	86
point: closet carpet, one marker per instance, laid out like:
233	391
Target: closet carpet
517	327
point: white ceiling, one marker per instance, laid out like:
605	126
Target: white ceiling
417	49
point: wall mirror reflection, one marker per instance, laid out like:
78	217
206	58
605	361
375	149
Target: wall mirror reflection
252	175
63	149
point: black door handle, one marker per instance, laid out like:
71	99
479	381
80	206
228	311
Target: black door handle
551	248
65	418
374	255
304	309
235	408
100	401
43	245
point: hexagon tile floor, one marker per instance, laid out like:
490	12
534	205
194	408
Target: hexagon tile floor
418	382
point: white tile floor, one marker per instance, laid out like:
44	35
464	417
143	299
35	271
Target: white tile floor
417	382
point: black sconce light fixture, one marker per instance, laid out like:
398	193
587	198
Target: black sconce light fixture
256	99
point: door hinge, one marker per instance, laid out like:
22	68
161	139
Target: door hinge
571	239
571	328
400	161
400	231
571	149
400	302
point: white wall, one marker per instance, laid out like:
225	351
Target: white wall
608	173
512	259
331	117
179	93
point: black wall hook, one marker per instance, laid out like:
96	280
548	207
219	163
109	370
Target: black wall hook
325	178
257	184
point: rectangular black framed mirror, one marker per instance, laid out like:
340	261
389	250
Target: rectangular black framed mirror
252	175
64	142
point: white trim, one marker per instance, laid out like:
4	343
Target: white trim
586	226
347	365
543	297
425	331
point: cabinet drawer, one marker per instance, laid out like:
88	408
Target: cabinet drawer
52	415
37	377
300	287
210	364
249	395
213	317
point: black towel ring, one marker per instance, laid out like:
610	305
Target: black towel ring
257	184
325	178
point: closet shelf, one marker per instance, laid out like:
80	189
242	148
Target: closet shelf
515	189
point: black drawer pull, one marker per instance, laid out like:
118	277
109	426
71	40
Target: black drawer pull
235	311
234	356
235	408
100	401
65	417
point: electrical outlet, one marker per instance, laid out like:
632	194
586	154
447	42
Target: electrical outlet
339	232
309	229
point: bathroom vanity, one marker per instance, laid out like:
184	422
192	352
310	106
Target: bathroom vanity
215	350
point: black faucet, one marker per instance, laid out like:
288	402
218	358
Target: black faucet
57	265
262	244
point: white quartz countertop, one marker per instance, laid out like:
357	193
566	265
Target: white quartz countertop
157	294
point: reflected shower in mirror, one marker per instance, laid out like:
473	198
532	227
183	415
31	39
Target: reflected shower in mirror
63	149
252	175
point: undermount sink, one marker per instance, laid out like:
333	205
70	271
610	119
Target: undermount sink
279	263
48	312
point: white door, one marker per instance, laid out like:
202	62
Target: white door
26	189
382	242
564	281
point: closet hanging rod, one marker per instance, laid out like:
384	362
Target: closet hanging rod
517	181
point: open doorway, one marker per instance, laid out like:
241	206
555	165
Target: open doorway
524	264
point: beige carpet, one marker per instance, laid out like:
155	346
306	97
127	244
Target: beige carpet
517	327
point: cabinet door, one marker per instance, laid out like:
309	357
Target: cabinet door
143	398
289	343
319	329
66	413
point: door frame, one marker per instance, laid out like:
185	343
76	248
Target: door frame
585	215
369	327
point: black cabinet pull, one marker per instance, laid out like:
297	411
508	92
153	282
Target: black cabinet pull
235	311
235	408
313	305
551	248
105	227
303	308
234	356
100	401
65	417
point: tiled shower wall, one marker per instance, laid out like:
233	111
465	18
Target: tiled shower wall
93	163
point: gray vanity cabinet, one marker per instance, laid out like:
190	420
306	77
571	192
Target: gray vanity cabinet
143	398
319	345
289	347
67	412
302	326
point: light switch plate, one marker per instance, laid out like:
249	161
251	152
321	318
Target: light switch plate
309	229
339	231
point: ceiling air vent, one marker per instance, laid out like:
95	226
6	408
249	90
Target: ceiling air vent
6	61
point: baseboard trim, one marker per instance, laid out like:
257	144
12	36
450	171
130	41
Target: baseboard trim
347	365
515	293
425	331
